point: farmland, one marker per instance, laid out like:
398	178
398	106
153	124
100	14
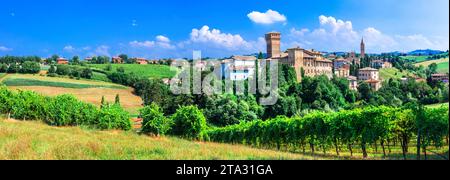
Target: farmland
442	64
149	71
86	90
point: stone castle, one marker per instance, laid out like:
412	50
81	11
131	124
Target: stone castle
311	62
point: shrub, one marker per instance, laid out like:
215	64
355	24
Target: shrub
64	111
114	117
28	105
189	122
154	120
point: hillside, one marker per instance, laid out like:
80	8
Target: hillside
34	140
388	73
149	71
442	64
86	90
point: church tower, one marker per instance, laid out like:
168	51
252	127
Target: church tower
273	41
363	49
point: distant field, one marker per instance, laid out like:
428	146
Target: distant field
443	67
149	71
37	141
34	82
442	64
387	73
85	90
415	58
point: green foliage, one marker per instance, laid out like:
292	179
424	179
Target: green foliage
154	120
30	67
113	117
189	122
64	110
229	109
365	127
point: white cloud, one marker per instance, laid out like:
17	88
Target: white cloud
161	42
268	17
339	35
134	23
102	50
217	38
4	49
162	38
144	44
69	48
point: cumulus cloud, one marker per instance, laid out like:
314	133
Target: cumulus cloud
4	49
69	48
217	38
102	50
339	35
143	44
269	17
161	42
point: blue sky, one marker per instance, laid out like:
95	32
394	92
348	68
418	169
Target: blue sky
173	28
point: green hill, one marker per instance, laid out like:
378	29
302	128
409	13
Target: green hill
387	73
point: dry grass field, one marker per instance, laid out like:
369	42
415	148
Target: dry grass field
37	141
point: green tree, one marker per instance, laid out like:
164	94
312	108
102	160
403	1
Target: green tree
76	60
117	100
189	122
52	69
154	120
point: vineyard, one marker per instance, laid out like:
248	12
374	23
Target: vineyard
380	128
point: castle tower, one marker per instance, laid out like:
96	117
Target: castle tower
273	40
363	49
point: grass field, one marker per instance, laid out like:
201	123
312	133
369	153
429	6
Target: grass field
443	67
149	71
415	58
85	90
34	82
442	64
387	73
35	140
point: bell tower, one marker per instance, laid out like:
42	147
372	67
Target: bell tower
363	48
273	40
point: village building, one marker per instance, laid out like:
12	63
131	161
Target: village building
380	64
343	71
440	77
141	61
117	60
311	62
351	58
353	83
62	61
370	76
239	68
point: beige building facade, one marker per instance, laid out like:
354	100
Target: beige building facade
312	63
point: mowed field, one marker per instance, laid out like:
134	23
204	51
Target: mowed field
388	73
149	70
35	140
85	90
442	64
